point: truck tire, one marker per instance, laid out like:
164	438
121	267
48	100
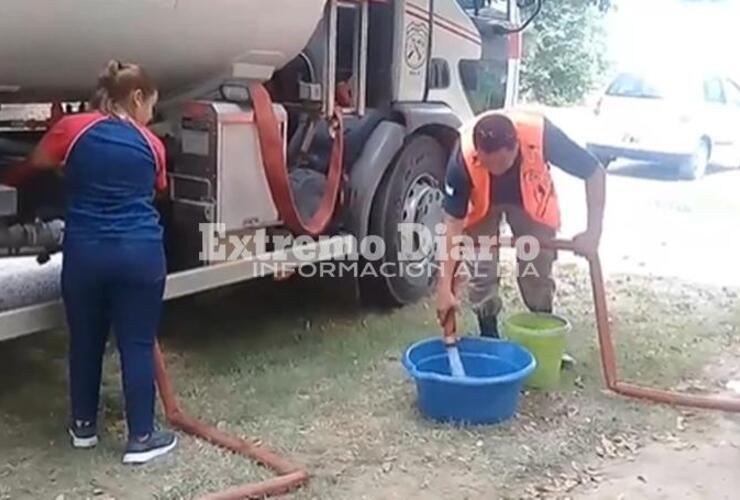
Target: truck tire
410	192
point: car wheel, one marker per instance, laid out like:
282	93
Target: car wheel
410	193
695	166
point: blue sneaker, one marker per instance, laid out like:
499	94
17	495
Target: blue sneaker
142	450
84	434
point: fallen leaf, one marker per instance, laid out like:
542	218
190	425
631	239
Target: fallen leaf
734	386
571	483
680	424
608	446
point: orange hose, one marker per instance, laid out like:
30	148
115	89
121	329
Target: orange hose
608	358
608	361
276	167
291	476
607	350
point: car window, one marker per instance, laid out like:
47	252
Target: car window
714	91
733	92
485	83
630	85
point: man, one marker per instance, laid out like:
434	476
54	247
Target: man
501	167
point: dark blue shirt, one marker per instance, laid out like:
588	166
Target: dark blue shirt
559	150
111	170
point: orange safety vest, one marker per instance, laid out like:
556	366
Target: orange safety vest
538	191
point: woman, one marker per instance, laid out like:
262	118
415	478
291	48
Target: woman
114	269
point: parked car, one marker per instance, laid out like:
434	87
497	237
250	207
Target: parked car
675	120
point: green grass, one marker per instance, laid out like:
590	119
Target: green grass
308	373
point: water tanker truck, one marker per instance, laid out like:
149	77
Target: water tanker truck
250	114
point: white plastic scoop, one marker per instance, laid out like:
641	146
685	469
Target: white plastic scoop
456	365
453	353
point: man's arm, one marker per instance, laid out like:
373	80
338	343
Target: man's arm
596	200
561	151
457	194
446	298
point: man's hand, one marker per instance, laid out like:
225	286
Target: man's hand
586	243
447	307
447	303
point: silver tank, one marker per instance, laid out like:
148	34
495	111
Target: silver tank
54	49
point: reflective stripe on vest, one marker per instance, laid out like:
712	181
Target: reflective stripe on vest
538	192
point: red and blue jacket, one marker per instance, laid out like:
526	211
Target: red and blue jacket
112	168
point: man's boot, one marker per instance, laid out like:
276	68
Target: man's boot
488	325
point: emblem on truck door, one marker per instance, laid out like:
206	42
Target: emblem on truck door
417	38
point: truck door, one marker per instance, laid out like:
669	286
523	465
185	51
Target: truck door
412	45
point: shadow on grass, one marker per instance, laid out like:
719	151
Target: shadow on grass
262	323
33	375
657	171
256	309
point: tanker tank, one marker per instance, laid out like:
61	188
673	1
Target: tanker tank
54	50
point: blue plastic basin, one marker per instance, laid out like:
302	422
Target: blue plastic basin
495	371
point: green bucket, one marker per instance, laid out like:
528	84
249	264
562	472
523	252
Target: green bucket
543	335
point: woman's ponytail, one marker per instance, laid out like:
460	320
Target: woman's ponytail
116	83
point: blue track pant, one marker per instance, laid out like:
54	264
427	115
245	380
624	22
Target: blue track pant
118	284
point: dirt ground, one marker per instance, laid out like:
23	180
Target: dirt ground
707	469
310	374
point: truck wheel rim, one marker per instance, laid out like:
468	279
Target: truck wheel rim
421	205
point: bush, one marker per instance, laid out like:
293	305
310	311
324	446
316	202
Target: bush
565	52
